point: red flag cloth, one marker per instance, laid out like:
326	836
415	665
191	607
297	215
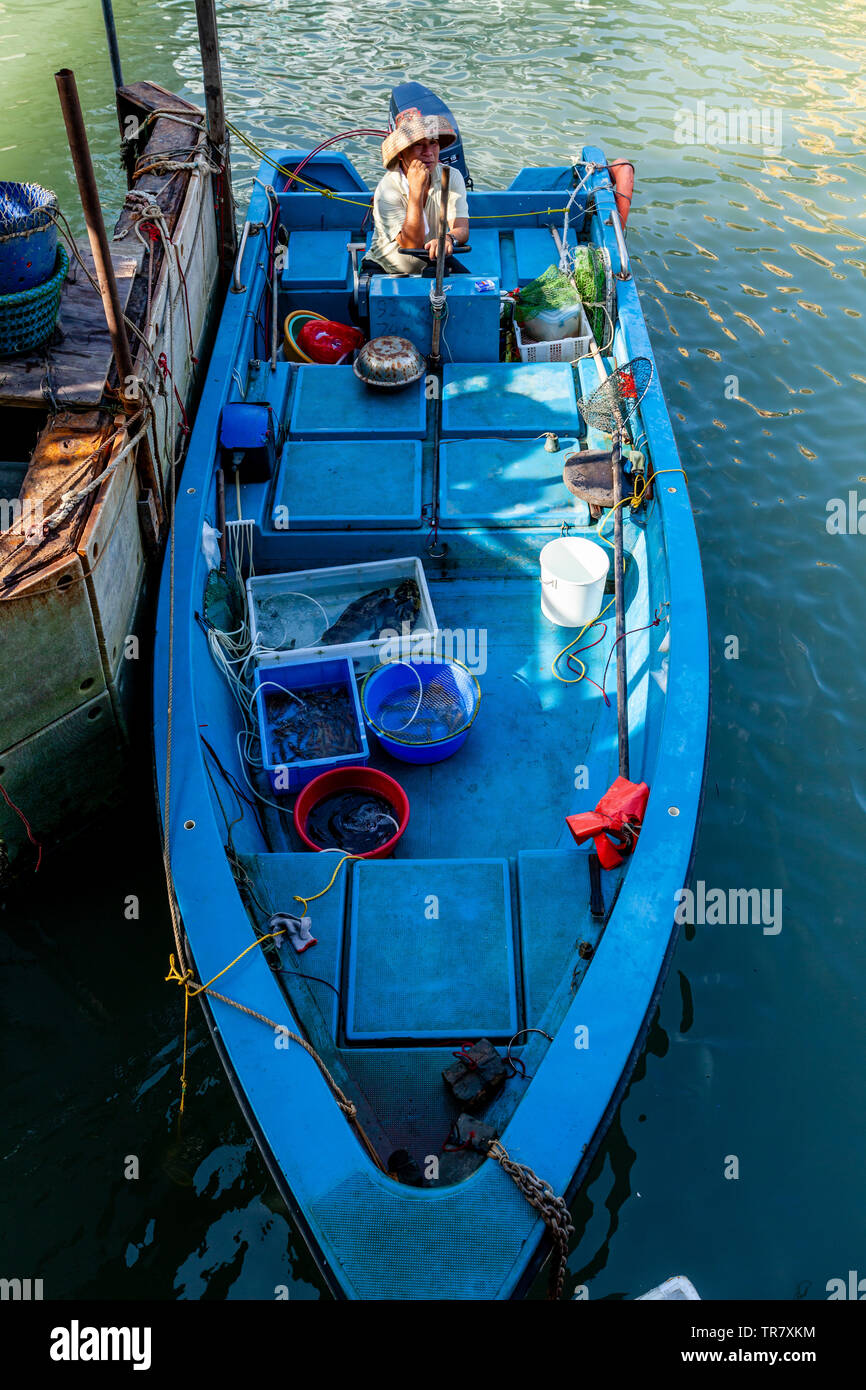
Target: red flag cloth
615	823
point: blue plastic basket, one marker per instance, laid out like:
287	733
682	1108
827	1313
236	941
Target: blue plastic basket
28	236
28	318
300	677
401	734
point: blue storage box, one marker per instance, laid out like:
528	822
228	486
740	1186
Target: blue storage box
289	773
400	305
317	260
409	982
317	273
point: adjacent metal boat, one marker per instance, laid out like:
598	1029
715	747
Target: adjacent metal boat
489	944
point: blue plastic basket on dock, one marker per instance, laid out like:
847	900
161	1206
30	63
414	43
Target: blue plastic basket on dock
28	236
29	317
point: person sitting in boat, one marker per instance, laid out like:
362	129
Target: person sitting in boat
408	198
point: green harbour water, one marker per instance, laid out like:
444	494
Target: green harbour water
736	1156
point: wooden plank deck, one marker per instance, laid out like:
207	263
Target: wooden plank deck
77	359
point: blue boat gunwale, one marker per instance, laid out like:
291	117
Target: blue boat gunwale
631	961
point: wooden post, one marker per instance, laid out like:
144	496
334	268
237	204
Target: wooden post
205	11
89	194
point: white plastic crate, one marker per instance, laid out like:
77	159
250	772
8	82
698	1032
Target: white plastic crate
559	350
290	631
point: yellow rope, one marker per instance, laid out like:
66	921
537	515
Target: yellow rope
269	936
636	501
307	901
356	202
193	988
638	498
290	173
555	662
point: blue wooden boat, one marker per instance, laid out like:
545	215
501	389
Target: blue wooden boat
485	922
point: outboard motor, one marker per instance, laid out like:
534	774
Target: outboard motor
416	94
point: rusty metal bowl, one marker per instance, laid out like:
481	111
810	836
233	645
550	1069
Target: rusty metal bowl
388	363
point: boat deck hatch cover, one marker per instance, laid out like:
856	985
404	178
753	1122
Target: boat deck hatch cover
331	403
509	398
431	952
535	250
327	485
507	482
319	258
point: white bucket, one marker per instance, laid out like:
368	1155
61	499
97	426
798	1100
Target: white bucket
573	576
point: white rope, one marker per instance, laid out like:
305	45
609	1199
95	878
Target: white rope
70	500
199	164
590	170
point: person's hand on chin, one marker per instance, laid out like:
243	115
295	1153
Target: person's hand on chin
418	179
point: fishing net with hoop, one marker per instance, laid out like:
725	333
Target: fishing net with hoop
615	400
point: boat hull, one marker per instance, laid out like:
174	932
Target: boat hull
496	818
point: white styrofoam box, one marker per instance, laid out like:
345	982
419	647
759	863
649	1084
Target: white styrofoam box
551	325
302	604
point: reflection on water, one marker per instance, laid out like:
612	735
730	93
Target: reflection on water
750	257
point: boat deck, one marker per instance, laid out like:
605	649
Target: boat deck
480	924
475	928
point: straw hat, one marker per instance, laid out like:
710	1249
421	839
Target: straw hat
411	126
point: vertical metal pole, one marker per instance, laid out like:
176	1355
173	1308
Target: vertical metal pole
619	610
80	150
205	11
440	262
619	594
113	50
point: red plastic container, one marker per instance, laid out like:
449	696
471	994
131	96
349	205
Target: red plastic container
367	779
327	342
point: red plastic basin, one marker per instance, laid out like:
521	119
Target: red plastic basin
341	779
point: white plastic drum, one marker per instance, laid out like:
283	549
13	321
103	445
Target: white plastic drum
573	576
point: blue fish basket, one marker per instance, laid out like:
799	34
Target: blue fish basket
306	677
421	711
28	236
28	318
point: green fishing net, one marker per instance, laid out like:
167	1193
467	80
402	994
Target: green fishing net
589	277
223	602
552	290
555	289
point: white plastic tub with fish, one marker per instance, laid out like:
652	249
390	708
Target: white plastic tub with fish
365	612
